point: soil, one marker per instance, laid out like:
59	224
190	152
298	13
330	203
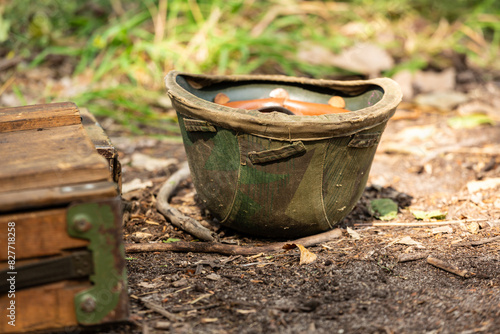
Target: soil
376	281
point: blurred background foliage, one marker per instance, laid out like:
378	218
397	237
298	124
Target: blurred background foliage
111	55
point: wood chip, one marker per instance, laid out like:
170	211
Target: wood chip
208	320
165	325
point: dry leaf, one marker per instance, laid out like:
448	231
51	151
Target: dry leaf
355	235
213	277
470	121
306	257
148	285
142	235
408	241
180	283
135	184
473	227
428	215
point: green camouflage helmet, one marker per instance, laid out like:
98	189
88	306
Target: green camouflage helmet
278	175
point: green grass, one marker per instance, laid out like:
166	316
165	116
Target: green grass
126	47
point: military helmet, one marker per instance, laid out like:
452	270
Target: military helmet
274	174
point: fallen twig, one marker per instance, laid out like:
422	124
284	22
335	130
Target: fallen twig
183	222
478	242
484	241
441	222
448	267
159	309
212	247
411	257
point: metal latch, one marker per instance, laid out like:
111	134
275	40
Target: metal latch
76	265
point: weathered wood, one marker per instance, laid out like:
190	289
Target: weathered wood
38	198
38	116
43	308
97	134
47	163
103	145
49	158
38	233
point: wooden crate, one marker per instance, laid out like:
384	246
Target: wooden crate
62	264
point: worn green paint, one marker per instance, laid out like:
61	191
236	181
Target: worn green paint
278	175
106	248
220	156
286	194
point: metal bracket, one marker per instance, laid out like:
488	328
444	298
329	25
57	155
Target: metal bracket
100	223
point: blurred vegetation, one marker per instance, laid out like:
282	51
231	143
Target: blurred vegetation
116	52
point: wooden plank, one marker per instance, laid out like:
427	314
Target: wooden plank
102	144
38	198
38	116
38	233
47	307
49	158
97	135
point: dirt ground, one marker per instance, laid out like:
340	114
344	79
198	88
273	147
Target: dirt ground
376	279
